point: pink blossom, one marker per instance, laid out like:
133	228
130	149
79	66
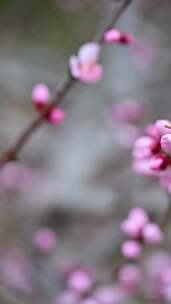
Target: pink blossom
142	167
130	277
166	143
40	95
67	297
15	270
45	240
80	280
161	126
150	155
139	215
158	163
17	177
112	36
133	225
131	228
85	66
128	110
143	147
109	295
152	234
56	116
115	36
131	249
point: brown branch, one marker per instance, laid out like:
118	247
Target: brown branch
61	92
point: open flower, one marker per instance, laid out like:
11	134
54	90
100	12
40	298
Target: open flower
85	66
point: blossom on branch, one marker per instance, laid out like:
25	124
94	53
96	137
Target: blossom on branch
85	66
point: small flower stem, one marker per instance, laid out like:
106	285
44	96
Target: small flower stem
62	91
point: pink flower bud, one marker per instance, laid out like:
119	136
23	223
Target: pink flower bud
143	167
112	36
131	228
126	38
158	163
130	277
161	126
166	143
131	249
56	116
80	281
139	215
40	95
152	234
152	131
45	240
143	147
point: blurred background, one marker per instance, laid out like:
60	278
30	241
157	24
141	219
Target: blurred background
79	179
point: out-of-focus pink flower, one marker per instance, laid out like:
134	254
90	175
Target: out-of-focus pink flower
17	177
143	147
56	116
133	225
80	280
40	95
128	110
85	66
113	36
166	143
131	228
157	269
15	270
127	134
152	234
130	277
143	52
67	297
131	249
140	215
45	240
109	295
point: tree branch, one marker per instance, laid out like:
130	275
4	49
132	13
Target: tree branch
58	96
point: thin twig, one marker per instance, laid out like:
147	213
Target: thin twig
61	92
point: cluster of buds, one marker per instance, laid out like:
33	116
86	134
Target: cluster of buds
152	153
114	35
82	287
139	228
41	98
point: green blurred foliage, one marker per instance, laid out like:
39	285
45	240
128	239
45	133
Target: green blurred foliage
43	21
